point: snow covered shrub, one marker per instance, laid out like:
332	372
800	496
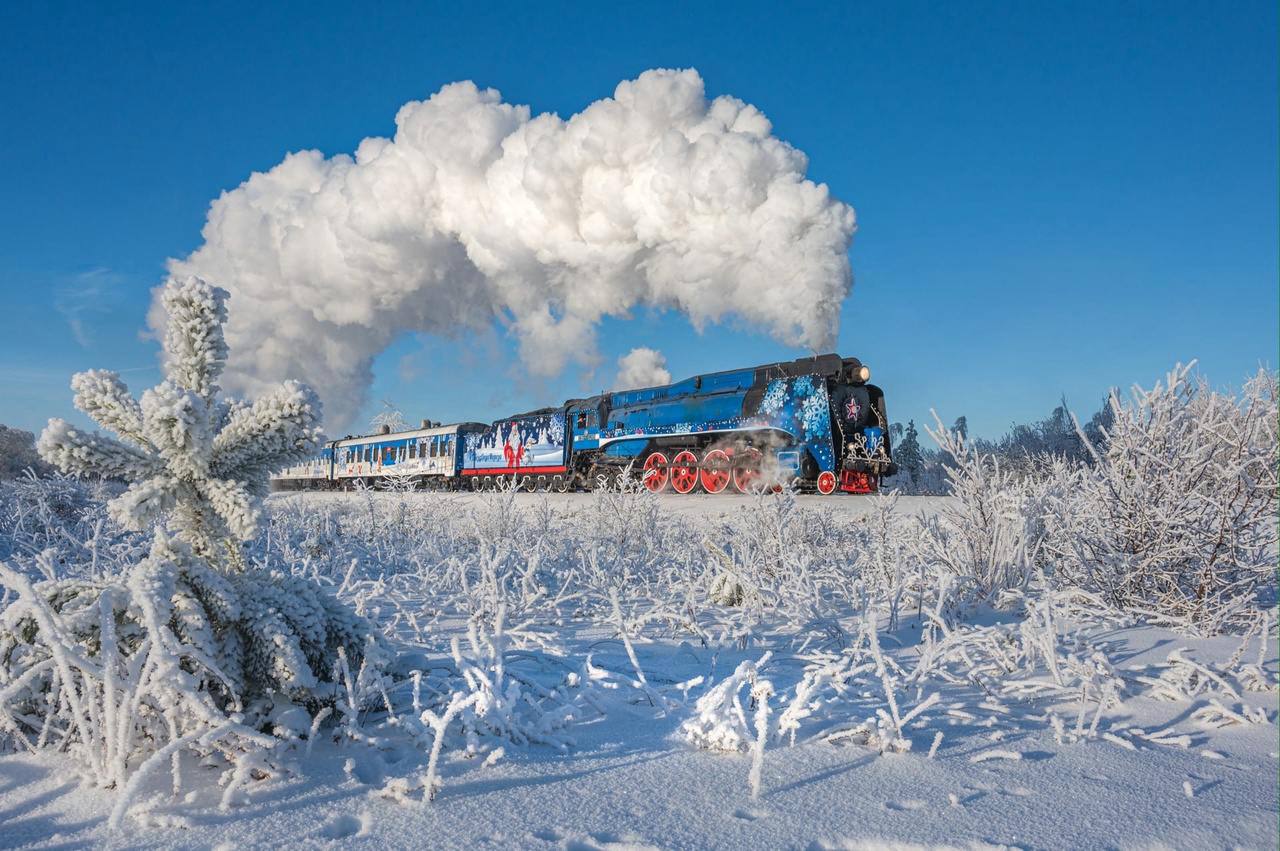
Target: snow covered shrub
189	647
58	525
720	721
980	537
18	454
502	705
836	686
1177	518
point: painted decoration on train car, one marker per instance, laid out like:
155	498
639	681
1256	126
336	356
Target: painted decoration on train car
799	405
514	445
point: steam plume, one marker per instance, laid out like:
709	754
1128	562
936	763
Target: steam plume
476	211
641	367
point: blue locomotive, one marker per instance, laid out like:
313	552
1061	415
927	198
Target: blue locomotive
816	422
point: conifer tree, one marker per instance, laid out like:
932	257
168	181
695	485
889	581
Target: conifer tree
202	461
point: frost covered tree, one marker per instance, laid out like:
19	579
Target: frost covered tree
201	460
390	418
190	647
908	455
18	453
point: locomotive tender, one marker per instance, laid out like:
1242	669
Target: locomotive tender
817	422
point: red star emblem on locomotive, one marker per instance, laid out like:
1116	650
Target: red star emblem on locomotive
851	409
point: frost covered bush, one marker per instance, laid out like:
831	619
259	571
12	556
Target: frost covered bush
58	526
980	538
189	647
18	454
1174	518
1177	517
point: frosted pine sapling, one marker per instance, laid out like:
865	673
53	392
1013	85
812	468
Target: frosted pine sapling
188	648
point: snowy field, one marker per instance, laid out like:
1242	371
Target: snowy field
704	672
724	505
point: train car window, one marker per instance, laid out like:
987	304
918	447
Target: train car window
435	446
582	420
448	446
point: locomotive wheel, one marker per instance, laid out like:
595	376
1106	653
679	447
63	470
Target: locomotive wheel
684	471
655	475
559	484
826	483
715	471
746	470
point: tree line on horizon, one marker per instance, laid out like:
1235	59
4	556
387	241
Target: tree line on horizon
922	470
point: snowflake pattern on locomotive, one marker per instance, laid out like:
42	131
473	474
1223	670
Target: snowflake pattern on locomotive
525	442
799	406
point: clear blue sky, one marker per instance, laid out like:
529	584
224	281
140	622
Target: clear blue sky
1052	198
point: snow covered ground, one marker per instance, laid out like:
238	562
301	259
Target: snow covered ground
631	782
724	505
1125	746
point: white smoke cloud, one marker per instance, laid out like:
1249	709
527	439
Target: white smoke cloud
642	367
477	212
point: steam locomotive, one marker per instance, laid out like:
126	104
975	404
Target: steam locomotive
816	422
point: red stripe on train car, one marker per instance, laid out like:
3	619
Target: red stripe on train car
502	471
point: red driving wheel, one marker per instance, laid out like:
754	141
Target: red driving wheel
715	471
684	471
746	469
826	483
655	472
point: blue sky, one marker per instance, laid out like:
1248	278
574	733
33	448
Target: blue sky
1052	199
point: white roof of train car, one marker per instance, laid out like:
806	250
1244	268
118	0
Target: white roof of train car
451	428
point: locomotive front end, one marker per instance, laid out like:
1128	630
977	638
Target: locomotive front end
861	429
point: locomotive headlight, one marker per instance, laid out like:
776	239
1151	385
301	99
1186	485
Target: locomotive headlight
864	373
